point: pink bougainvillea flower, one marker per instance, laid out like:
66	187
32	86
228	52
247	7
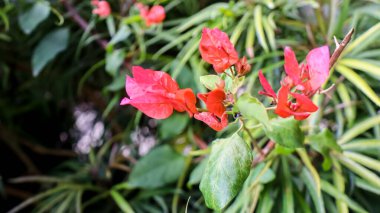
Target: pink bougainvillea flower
307	77
217	123
102	8
156	94
300	109
268	90
154	15
214	101
216	48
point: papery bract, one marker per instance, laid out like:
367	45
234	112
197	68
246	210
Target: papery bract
268	90
216	48
154	15
214	101
102	8
301	109
217	123
156	94
318	61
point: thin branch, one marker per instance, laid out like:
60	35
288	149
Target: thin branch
73	13
258	149
265	152
338	51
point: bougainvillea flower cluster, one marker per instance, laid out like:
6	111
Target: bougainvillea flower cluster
102	8
154	15
300	83
156	94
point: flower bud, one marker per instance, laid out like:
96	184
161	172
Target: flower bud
242	67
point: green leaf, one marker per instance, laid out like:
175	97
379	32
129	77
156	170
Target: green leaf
251	107
48	48
285	132
197	173
323	143
227	168
121	35
159	167
210	81
121	202
114	60
173	126
29	20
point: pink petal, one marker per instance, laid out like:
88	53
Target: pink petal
212	121
318	61
268	90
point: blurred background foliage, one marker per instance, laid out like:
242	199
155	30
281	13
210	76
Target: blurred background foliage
67	146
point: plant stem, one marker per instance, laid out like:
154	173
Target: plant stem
80	21
267	149
255	145
180	182
340	48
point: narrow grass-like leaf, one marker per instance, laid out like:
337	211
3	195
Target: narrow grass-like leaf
121	202
258	17
363	40
287	188
239	28
306	161
66	204
250	39
331	190
269	31
359	129
359	82
36	198
315	193
367	186
338	179
364	160
362	145
362	65
349	111
358	169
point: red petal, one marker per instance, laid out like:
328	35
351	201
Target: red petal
318	61
306	105
212	121
153	106
214	102
154	80
291	65
268	90
187	98
282	108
